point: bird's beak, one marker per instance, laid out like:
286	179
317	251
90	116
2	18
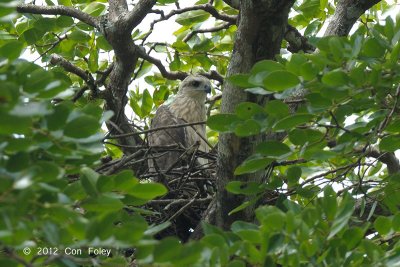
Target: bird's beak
207	89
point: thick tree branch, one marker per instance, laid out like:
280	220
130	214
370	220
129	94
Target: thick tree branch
297	42
69	67
59	10
136	16
346	14
387	158
118	8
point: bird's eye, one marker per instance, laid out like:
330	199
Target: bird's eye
195	83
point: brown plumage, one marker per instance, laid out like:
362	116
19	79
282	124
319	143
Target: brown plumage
187	107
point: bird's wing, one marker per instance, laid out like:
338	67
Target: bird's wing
165	137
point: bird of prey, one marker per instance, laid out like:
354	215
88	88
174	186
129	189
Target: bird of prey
187	107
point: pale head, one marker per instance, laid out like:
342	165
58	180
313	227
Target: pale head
195	86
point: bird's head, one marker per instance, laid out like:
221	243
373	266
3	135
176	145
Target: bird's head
196	86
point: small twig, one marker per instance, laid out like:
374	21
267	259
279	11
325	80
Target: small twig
390	115
172	202
337	123
122	162
181	210
52	46
156	129
213	29
206	7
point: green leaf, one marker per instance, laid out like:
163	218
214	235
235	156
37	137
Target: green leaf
352	237
335	78
168	250
192	17
37	80
266	65
383	225
223	122
280	80
65	2
244	205
343	214
270	218
308	71
293	121
336	47
88	180
12	49
8	125
244	188
103	204
93	63
148	190
64	21
79	36
272	148
390	143
302	136
147	103
83	126
241	80
295	63
277	108
18	162
372	48
293	174
247	128
32	36
247	110
94	9
57	119
125	181
396	222
329	203
253	164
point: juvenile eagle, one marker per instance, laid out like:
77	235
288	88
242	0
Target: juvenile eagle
187	107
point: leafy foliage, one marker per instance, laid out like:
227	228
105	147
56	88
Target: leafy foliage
327	198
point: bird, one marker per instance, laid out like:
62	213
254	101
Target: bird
188	106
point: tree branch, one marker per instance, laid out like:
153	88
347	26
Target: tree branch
117	8
297	42
176	75
136	16
157	129
172	75
68	66
59	10
346	14
387	158
213	29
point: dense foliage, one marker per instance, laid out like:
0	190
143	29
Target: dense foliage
331	179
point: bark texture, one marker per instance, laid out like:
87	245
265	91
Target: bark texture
261	27
346	14
117	28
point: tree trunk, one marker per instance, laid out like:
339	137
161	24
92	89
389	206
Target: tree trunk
261	27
